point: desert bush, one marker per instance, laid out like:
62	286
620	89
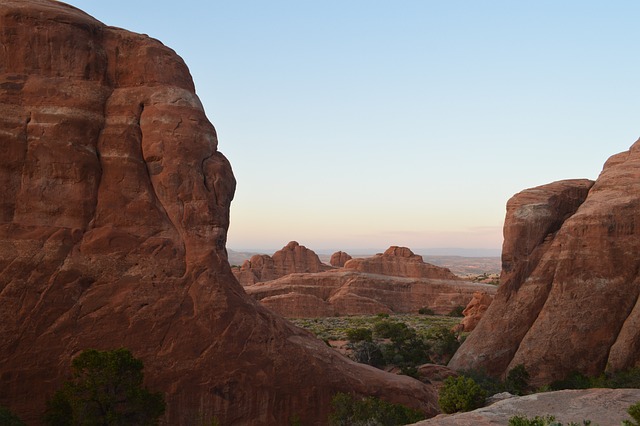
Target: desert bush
461	394
634	412
106	388
426	311
456	312
444	343
517	381
366	352
359	334
490	384
7	418
348	410
574	380
542	421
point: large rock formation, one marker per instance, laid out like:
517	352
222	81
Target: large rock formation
604	407
292	258
400	262
349	292
113	221
568	299
475	309
339	258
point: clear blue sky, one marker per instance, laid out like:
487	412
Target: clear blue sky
364	124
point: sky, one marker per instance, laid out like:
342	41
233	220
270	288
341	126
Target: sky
356	124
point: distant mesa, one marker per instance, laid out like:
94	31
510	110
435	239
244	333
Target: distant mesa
396	281
292	258
568	299
400	262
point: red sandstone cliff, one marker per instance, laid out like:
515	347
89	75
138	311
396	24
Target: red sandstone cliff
349	292
400	262
113	221
292	258
568	299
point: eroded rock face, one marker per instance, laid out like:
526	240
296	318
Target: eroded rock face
113	224
475	310
292	258
348	292
339	258
400	262
569	288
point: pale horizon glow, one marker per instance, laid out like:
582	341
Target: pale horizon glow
376	123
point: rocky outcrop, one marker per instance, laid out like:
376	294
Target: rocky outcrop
348	292
113	221
568	299
475	310
604	407
339	258
400	262
292	258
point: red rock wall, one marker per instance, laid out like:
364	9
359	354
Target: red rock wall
569	288
113	222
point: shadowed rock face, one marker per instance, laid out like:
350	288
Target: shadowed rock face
569	287
113	221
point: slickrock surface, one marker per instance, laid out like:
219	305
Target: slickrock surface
400	262
348	292
292	258
113	221
604	407
339	258
568	299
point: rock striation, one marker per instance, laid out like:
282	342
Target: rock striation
113	222
349	292
339	258
568	299
400	262
292	258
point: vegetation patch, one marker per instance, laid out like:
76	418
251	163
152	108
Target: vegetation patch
348	410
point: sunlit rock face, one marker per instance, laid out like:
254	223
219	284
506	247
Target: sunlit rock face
113	222
569	287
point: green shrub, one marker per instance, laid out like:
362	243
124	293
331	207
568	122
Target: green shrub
461	394
574	380
491	385
351	411
517	381
426	311
7	418
368	353
106	388
444	343
627	379
456	312
541	421
359	334
634	412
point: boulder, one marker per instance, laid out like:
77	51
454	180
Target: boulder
568	298
339	258
113	222
400	262
349	292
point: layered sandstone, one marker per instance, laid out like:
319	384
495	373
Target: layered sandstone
568	300
113	223
292	258
349	292
339	258
400	262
